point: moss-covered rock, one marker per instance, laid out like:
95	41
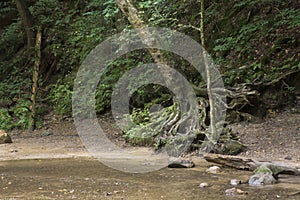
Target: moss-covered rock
4	137
264	175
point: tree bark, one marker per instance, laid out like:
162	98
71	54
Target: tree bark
172	126
28	21
212	135
131	13
32	117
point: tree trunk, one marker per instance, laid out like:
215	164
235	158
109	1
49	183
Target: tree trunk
172	126
132	15
212	135
32	117
27	21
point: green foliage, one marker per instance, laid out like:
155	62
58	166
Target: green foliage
5	119
146	127
61	96
15	117
11	38
108	80
251	40
5	8
14	98
21	112
289	17
252	50
110	11
245	3
140	116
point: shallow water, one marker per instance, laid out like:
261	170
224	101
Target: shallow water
85	178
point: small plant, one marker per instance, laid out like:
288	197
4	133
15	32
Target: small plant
21	112
5	119
61	97
16	116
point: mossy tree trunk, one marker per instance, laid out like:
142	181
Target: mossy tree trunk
35	75
212	135
174	122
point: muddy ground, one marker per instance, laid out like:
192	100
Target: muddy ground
276	138
29	170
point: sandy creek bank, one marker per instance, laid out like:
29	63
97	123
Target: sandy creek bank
52	163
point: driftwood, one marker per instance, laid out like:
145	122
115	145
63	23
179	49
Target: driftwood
242	163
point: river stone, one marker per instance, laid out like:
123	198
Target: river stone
262	179
203	185
232	147
234	192
263	176
235	182
4	137
180	163
213	170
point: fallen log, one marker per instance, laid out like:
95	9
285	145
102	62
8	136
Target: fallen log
242	163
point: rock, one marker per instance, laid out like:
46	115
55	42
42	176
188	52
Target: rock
214	170
180	163
263	176
235	182
262	179
203	185
232	147
4	137
234	192
288	158
46	133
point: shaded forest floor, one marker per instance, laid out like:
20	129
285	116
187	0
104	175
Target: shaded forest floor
276	138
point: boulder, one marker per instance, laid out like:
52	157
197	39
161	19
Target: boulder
262	179
263	176
231	147
4	137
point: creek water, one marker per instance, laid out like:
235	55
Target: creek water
86	178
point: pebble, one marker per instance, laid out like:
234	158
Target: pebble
203	185
234	192
235	182
288	158
213	170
